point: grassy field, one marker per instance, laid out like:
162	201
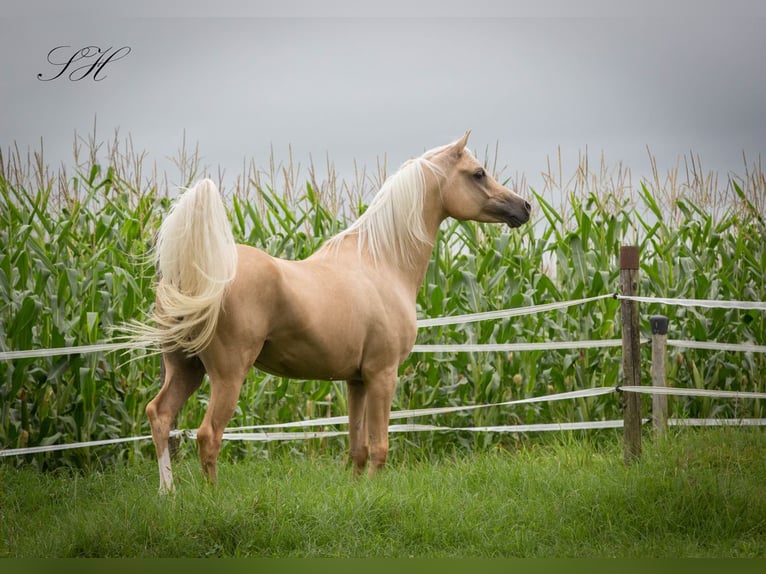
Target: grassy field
698	493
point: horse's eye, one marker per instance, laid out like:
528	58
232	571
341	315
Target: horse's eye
480	173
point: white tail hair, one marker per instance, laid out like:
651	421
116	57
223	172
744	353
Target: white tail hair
196	258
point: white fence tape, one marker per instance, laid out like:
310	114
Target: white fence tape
82	349
462	319
716	346
707	303
593	344
693	392
716	422
233	432
516	312
407	414
406	428
236	433
582	393
279	436
67	446
511	347
528	428
435	348
542	427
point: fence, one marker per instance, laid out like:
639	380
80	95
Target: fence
630	389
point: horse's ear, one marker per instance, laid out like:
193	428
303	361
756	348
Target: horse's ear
459	145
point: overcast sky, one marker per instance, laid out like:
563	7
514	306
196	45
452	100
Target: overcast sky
349	81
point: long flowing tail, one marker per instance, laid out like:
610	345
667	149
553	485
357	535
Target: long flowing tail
196	258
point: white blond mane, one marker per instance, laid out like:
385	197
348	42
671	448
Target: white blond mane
393	228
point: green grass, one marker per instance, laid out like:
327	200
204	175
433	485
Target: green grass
696	493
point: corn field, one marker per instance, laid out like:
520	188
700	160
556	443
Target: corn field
75	264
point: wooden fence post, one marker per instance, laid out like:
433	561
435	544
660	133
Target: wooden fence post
631	352
659	325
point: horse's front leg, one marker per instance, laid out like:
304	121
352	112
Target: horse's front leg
359	444
380	395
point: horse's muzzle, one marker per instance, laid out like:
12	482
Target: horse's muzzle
513	214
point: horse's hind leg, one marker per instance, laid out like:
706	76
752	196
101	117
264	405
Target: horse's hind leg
182	377
226	377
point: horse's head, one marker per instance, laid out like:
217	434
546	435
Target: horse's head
469	192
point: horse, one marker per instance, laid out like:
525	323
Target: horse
347	312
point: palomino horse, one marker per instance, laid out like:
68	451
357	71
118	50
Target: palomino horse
345	313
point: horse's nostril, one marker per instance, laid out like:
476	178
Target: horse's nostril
528	207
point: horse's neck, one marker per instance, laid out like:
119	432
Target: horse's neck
409	274
413	274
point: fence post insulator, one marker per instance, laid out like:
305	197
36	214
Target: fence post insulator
659	324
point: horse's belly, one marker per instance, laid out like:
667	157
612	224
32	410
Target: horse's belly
301	361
